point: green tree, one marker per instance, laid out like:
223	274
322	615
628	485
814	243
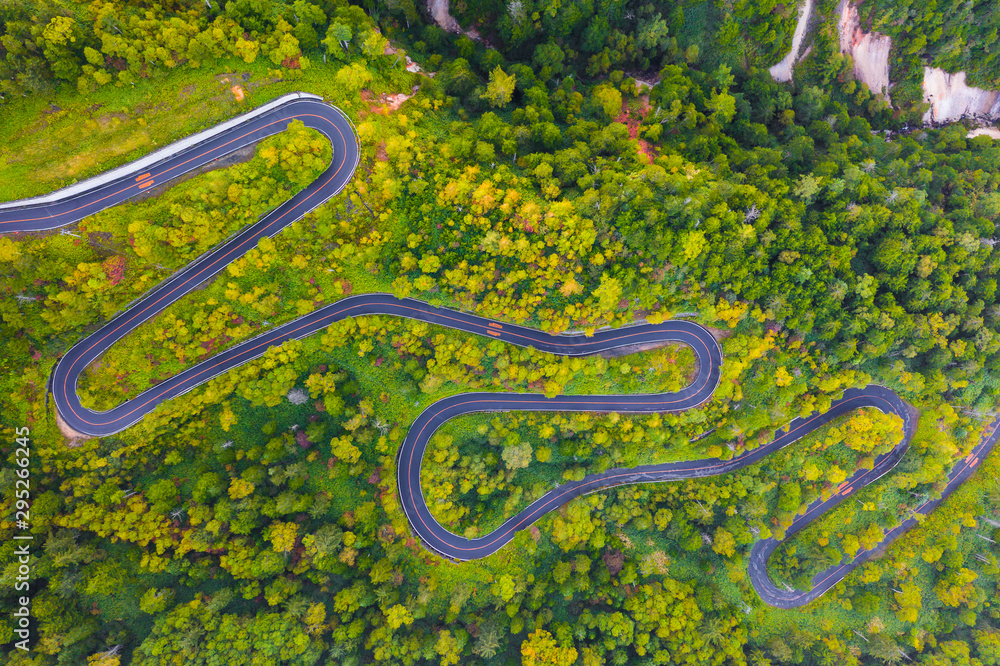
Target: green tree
518	456
61	39
548	60
155	601
608	293
500	88
608	100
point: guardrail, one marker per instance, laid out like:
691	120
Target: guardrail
140	165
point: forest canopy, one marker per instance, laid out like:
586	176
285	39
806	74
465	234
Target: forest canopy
568	166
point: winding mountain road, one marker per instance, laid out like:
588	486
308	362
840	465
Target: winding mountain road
66	207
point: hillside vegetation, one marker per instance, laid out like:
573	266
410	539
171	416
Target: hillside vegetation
587	164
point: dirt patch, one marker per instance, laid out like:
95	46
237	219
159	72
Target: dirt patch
73	437
385	104
368	97
783	70
718	333
113	118
632	120
144	108
393	102
187	91
869	50
236	89
952	99
913	412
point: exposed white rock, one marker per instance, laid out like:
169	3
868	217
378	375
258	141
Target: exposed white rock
951	98
868	50
439	10
410	65
783	70
444	19
985	131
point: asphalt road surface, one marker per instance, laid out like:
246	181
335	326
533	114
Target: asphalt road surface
337	128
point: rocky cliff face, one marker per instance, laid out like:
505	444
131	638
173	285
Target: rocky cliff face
952	99
869	50
949	96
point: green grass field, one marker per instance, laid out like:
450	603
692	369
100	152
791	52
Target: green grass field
56	140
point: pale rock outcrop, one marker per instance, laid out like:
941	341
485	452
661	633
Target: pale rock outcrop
439	10
985	131
951	98
869	50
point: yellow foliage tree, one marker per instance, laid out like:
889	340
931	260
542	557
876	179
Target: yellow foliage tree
282	536
541	649
240	488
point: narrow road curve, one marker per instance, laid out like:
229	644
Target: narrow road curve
337	128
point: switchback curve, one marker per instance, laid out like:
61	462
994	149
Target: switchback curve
60	211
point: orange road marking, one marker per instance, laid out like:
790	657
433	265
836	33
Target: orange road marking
848	491
494	325
494	333
142	177
143	185
975	461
